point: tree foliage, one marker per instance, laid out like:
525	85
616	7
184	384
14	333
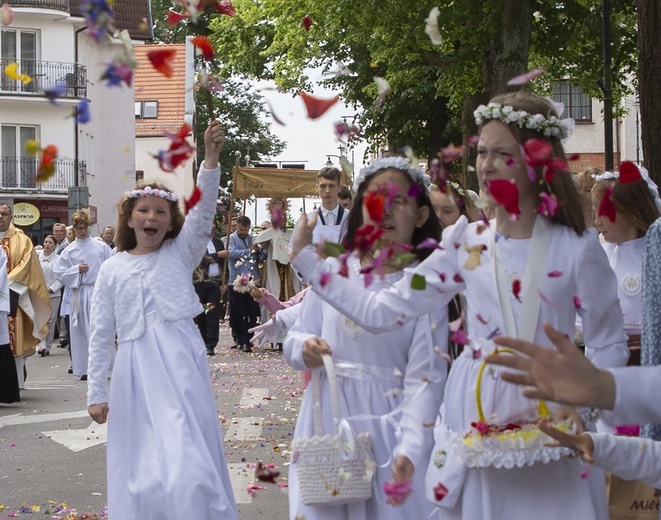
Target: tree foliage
434	88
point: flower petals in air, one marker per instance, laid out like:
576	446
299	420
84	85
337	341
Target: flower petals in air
57	91
161	60
629	172
375	203
607	206
205	47
577	301
174	17
431	26
383	89
506	194
537	151
6	15
524	78
274	115
225	7
317	107
47	163
452	153
178	152
83	112
306	22
195	197
11	71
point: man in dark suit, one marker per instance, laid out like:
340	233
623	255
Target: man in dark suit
207	280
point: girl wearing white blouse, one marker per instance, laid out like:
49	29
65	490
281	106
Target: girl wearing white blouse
395	378
165	450
47	259
534	263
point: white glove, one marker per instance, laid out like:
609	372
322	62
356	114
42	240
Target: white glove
267	332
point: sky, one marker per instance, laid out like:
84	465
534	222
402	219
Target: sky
310	142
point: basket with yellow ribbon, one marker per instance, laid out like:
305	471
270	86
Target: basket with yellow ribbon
515	444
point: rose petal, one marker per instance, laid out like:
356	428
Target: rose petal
317	107
524	78
162	61
194	199
629	172
607	206
506	194
203	43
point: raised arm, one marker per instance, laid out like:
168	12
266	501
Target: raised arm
386	310
195	234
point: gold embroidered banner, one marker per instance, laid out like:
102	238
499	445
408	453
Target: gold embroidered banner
267	182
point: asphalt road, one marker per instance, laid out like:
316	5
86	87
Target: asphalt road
52	455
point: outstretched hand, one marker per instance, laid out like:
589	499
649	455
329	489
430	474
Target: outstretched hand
581	443
214	140
267	332
302	235
564	375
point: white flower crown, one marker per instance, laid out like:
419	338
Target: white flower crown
654	189
148	190
416	173
549	127
457	188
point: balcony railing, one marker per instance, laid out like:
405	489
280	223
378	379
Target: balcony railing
45	75
59	5
19	173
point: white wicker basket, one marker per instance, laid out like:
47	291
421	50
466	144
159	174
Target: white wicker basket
336	468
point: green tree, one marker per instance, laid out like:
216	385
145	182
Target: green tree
434	88
238	105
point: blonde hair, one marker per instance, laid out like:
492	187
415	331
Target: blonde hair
125	236
81	218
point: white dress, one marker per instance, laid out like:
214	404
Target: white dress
626	259
78	288
54	286
165	450
376	373
577	279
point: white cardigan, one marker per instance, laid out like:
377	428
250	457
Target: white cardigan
170	282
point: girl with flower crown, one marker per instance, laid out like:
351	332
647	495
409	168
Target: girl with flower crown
165	451
534	263
392	384
625	204
451	203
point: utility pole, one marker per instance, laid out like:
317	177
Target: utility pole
605	85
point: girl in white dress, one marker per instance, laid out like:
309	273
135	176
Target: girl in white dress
634	197
47	259
165	451
394	381
534	263
77	269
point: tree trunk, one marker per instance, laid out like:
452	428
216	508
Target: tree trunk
439	115
507	55
649	72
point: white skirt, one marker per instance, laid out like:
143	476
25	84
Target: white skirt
165	450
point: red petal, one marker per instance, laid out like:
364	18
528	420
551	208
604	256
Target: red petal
174	17
317	107
375	204
194	199
607	206
506	194
537	151
225	7
440	491
307	23
516	289
203	43
629	172
161	60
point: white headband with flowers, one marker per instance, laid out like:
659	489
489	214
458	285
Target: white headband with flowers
156	192
551	126
654	189
416	173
